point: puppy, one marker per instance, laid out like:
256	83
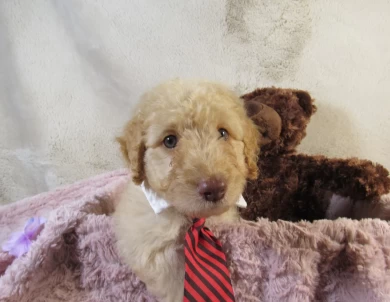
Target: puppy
190	148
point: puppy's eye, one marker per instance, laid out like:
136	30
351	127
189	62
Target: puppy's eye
170	141
224	133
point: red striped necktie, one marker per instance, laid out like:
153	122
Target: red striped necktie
207	277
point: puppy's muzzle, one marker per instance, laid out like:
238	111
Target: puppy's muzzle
212	189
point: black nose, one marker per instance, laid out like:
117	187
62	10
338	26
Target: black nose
212	189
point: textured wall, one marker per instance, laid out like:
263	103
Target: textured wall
70	72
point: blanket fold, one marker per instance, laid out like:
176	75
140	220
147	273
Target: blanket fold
75	259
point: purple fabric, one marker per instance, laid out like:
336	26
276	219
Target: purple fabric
19	242
74	258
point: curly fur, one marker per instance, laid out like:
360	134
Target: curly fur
295	107
194	111
295	186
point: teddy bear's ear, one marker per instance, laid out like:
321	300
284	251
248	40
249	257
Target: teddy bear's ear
306	102
267	120
253	107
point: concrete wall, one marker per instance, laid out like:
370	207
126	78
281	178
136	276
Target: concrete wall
70	72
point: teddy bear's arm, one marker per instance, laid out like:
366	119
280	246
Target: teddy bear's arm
354	178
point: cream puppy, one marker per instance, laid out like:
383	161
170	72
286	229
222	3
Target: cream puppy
190	148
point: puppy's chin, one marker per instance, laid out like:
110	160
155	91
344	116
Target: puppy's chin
204	209
205	214
188	202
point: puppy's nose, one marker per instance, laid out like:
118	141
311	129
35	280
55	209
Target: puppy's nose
212	189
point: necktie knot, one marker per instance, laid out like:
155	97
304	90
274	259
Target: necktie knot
198	223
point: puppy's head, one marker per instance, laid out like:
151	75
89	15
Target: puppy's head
192	143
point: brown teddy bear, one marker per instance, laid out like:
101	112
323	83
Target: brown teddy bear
294	186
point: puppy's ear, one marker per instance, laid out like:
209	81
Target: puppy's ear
133	148
251	149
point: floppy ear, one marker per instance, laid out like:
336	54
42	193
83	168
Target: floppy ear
133	148
251	148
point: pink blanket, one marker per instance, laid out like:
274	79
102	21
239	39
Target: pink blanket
74	258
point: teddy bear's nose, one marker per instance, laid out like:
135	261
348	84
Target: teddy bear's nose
212	189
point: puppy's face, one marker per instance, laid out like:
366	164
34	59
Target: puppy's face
193	144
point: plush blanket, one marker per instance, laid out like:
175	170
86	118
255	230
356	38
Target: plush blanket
74	257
